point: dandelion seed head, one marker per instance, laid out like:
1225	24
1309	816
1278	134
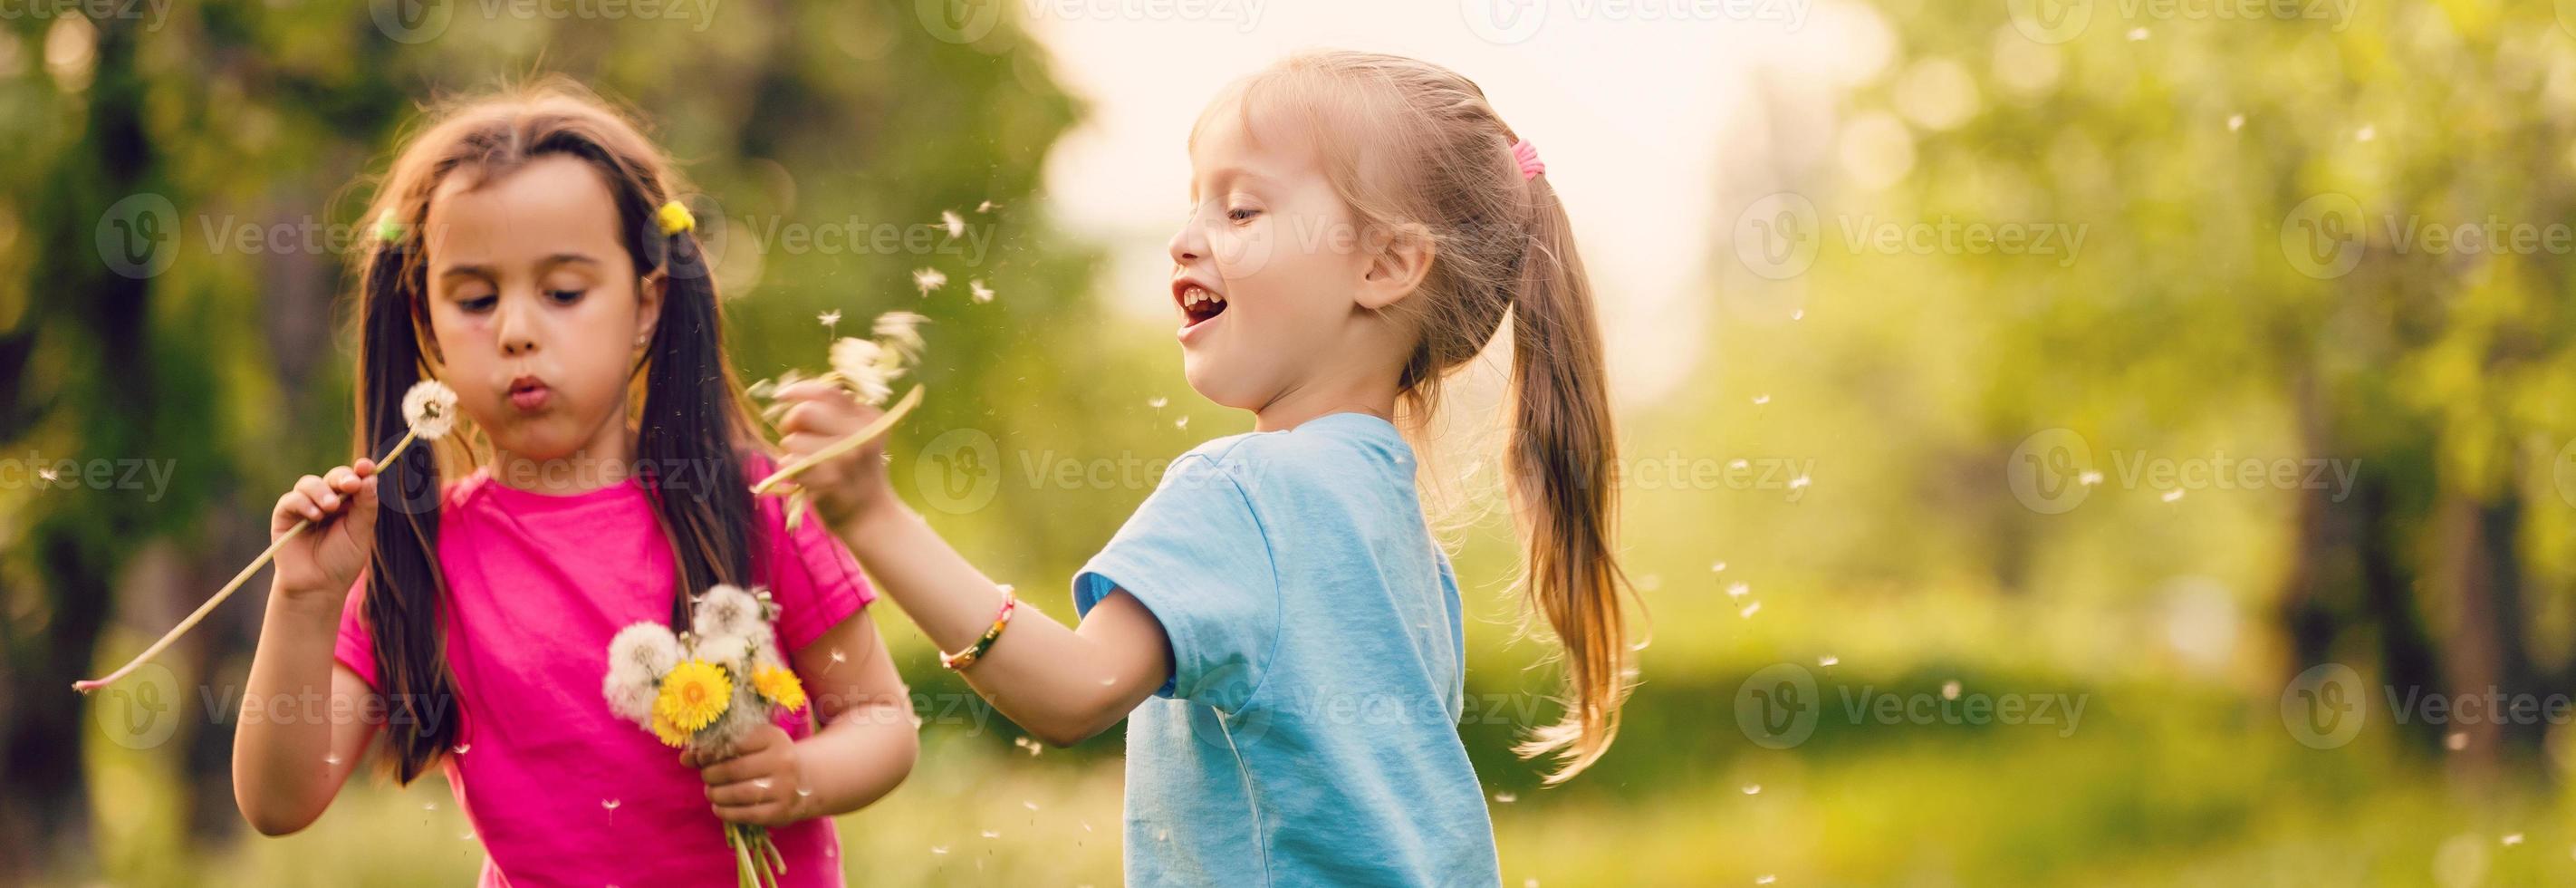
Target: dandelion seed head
430	407
829	319
955	224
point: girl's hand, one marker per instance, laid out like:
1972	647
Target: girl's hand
326	558
761	783
846	486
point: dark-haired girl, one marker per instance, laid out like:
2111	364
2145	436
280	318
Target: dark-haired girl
528	252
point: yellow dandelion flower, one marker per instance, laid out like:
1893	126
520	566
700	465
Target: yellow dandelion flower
693	695
670	734
780	686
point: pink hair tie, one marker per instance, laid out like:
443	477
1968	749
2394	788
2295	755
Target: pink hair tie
1527	155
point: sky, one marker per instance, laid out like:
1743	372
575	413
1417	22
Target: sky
1628	104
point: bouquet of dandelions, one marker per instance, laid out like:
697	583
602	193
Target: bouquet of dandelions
429	411
706	689
867	369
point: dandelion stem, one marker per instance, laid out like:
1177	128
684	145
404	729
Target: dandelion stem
265	556
856	440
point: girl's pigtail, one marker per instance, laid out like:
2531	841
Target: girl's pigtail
404	599
691	430
1561	481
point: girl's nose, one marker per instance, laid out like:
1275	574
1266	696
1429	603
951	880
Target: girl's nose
515	329
1189	243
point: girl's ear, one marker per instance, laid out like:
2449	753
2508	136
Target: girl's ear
1396	270
648	305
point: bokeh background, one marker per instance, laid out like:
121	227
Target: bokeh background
2113	442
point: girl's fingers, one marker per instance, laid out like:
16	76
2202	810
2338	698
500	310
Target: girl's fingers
745	794
364	467
292	507
806	390
758	815
324	498
727	771
342	479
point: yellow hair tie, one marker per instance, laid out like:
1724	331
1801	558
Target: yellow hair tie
675	218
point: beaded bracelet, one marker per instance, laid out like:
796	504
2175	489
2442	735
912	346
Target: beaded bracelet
973	652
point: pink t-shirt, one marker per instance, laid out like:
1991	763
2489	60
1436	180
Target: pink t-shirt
560	790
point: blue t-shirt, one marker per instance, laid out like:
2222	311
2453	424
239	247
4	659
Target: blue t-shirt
1309	733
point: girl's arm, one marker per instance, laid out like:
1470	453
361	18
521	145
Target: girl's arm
866	747
1061	684
304	717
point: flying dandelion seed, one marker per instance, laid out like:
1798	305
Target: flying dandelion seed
1531	882
461	748
1765	880
1829	661
1157	403
331	759
1799	483
1737	590
1761	399
2089	478
938	849
1718	567
2137	34
838	657
2511	839
2235	122
980	292
955	224
992	834
2173	496
610	804
1798	315
432	806
1752	789
49	474
829	319
929	279
1505	798
1740	464
1086	826
1182	423
1749	610
467	835
763	783
1031	805
986	207
2458	740
1950	689
2366	133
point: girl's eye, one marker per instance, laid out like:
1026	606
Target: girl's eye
1242	214
478	304
565	297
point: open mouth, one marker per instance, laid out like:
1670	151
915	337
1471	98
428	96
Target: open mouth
1198	304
